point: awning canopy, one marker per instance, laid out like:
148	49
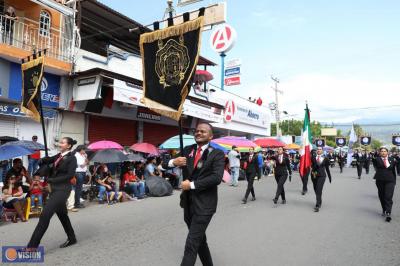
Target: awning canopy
88	84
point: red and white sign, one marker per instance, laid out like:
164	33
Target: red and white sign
231	81
229	112
223	38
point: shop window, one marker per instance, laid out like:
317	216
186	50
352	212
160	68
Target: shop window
44	23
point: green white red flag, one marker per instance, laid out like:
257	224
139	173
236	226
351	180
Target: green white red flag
305	151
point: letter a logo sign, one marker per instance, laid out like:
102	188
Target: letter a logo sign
223	39
229	111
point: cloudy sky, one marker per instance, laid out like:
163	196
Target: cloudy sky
341	56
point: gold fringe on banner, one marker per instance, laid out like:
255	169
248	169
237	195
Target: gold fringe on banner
30	109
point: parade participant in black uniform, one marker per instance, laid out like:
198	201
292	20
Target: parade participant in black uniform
203	169
331	158
62	170
385	177
367	161
341	159
319	171
360	163
251	173
282	167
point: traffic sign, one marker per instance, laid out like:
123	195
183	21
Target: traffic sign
232	71
223	38
231	81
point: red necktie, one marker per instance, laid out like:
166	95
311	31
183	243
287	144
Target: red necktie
58	160
318	159
385	162
197	157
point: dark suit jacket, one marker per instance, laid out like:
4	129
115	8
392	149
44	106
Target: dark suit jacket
206	177
252	167
383	173
322	169
60	175
359	159
282	169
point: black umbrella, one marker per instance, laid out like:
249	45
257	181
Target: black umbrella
109	156
27	144
134	157
5	139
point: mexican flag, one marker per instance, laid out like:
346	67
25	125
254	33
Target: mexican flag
305	151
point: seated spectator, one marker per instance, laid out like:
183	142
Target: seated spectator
36	192
113	196
133	185
12	192
151	168
20	172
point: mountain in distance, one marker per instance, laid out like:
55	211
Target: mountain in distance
381	129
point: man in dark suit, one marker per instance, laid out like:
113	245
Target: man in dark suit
282	167
367	161
385	177
203	169
251	172
319	171
341	160
360	162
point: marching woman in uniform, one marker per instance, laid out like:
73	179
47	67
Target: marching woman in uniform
62	170
320	169
385	177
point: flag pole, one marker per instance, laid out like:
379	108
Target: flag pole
170	10
41	108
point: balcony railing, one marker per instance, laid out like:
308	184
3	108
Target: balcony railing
28	36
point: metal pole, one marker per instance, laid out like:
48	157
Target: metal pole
222	70
277	113
42	122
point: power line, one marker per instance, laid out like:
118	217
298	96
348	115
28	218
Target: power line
365	108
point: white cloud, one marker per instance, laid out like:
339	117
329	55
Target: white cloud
327	96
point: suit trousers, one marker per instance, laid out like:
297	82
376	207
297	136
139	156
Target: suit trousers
55	204
280	191
366	165
341	166
304	180
318	184
196	241
250	188
385	193
359	169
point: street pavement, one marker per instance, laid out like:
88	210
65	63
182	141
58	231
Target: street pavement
347	231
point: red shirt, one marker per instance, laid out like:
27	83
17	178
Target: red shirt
36	190
128	178
35	155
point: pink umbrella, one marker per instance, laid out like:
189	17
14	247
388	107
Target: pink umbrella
145	148
202	75
105	144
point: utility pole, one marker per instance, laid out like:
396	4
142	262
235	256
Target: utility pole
277	112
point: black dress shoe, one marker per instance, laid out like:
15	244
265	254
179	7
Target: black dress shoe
275	201
316	209
388	217
68	243
244	201
80	206
303	193
253	198
283	201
